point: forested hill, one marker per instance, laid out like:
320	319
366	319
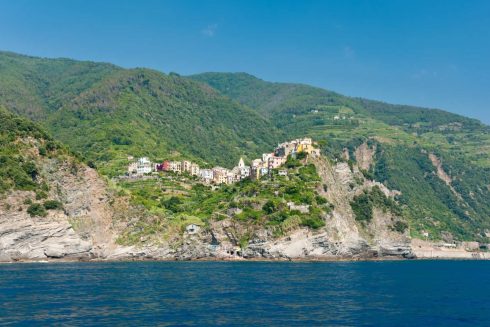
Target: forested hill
107	113
272	99
439	161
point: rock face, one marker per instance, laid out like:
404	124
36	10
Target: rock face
364	155
24	238
87	226
82	230
342	236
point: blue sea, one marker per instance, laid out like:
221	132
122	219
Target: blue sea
394	293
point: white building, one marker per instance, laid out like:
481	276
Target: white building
206	174
264	171
241	170
143	166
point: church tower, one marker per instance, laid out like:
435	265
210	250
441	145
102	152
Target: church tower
241	163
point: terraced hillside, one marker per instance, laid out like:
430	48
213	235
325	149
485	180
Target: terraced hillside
402	139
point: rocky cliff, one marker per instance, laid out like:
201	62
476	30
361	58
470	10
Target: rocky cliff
342	237
92	217
81	229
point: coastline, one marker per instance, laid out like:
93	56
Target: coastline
239	259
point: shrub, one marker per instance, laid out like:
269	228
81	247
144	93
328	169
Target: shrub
42	151
362	207
301	155
269	207
36	209
320	200
41	195
172	204
313	222
31	169
363	204
400	226
292	162
53	205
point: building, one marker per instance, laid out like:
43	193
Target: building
176	166
220	175
283	172
194	169
185	166
255	168
284	149
244	172
132	168
296	146
143	166
232	177
241	171
267	156
206	174
241	163
276	162
166	165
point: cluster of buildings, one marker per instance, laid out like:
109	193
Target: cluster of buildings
219	175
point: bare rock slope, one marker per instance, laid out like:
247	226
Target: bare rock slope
81	230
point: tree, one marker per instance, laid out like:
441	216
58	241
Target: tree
269	207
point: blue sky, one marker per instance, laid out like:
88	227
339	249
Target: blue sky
427	53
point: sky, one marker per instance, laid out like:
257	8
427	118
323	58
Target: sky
428	53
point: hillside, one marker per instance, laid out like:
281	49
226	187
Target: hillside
411	147
51	204
107	113
437	163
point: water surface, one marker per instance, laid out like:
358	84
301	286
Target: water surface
400	293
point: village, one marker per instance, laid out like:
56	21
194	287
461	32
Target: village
220	175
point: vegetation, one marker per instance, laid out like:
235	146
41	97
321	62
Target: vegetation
363	204
52	205
106	113
181	199
403	137
19	141
37	209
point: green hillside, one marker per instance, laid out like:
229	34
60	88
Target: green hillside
25	150
107	113
403	136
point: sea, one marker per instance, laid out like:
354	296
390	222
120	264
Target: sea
381	293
